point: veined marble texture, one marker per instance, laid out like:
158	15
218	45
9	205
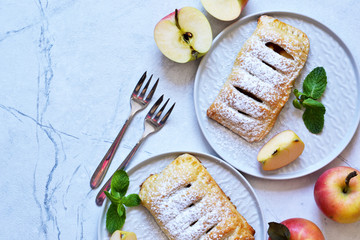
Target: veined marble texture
67	69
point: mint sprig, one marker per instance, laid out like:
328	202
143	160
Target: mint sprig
313	87
116	214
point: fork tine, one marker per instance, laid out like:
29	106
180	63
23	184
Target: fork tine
163	120
142	94
154	107
156	118
151	93
139	84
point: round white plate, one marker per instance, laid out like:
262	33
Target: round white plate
140	221
341	98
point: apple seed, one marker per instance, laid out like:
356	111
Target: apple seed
274	152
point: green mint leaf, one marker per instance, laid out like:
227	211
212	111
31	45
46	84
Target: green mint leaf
314	115
132	200
299	95
313	104
113	220
120	183
113	199
315	83
278	231
297	104
296	93
116	194
120	209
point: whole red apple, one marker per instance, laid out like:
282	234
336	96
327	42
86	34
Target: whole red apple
337	194
297	229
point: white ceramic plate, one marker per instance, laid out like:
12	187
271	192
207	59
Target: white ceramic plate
140	221
341	98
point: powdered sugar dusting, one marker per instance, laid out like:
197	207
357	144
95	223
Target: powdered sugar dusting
320	148
140	221
194	209
261	80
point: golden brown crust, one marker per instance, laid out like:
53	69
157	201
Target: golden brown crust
261	79
187	203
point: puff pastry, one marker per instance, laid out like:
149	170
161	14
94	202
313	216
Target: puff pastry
261	79
187	203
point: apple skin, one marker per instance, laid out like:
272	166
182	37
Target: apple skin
301	229
225	10
170	39
332	201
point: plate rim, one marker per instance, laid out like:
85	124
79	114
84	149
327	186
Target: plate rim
349	133
213	158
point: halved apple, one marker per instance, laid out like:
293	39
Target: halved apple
122	235
225	10
281	150
183	35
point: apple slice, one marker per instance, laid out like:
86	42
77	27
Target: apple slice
225	10
183	35
281	150
122	235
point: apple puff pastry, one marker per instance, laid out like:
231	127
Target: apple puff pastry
187	203
261	79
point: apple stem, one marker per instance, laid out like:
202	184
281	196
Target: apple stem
347	180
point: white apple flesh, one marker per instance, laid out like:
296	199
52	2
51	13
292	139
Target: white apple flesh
122	235
183	35
225	10
281	150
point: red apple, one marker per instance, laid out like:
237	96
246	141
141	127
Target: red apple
337	194
295	229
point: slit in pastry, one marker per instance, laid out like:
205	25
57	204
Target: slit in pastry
276	48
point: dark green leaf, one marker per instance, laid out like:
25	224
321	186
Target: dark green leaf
278	231
120	183
314	115
132	200
113	220
315	83
300	97
313	104
116	194
296	93
120	209
297	104
112	198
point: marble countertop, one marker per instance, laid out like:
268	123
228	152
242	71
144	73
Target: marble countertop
66	71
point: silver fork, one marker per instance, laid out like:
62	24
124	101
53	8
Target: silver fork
151	125
138	102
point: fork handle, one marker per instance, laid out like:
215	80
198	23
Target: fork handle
100	197
103	166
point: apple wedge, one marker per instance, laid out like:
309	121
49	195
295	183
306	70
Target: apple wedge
281	150
122	235
183	35
225	10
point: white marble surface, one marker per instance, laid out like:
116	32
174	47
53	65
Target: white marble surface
66	72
